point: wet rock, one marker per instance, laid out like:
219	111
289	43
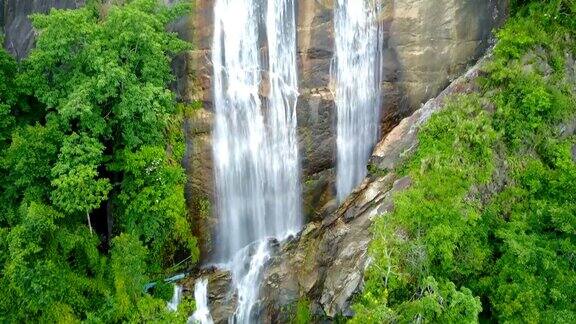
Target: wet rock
221	301
326	262
198	165
318	195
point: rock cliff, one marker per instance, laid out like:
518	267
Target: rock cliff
325	262
19	35
427	44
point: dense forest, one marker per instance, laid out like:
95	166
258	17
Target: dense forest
92	202
93	210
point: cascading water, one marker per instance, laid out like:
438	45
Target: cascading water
202	313
176	298
255	145
357	76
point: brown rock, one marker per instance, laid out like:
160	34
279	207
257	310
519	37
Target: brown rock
221	300
425	46
326	262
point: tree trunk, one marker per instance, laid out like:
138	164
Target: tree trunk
89	222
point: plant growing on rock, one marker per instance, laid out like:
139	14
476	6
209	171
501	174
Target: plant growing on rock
456	248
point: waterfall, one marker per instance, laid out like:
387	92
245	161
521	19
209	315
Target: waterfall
176	298
356	74
202	313
255	150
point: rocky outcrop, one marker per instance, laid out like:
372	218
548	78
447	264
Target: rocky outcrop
19	35
426	44
325	263
222	299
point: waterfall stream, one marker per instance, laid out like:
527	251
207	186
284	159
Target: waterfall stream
176	298
202	313
254	143
356	74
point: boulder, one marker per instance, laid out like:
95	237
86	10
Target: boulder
222	302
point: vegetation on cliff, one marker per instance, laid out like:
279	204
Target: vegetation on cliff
488	229
92	192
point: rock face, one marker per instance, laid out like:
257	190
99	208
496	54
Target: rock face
426	45
222	300
17	26
325	263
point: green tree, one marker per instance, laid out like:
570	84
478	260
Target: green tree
127	266
28	162
75	178
53	269
153	205
90	102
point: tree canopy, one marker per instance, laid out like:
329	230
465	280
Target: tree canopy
92	200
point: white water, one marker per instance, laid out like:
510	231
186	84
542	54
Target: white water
176	298
246	274
202	313
357	76
255	146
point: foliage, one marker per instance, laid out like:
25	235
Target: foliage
533	280
127	266
8	95
52	267
29	160
77	188
487	228
433	236
302	314
152	202
85	137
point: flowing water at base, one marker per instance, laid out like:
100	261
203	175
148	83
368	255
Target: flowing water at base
202	313
176	298
247	267
255	147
